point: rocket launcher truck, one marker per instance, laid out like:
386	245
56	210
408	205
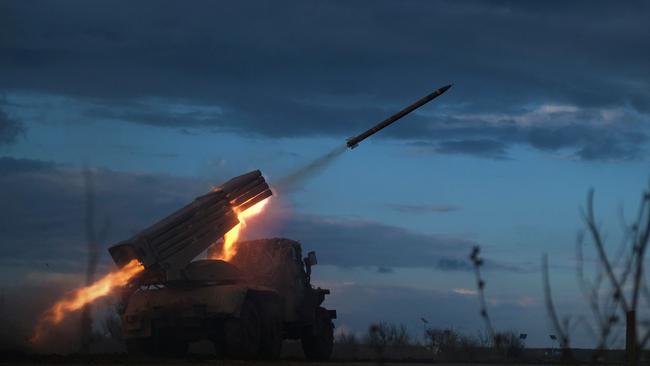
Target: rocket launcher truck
245	307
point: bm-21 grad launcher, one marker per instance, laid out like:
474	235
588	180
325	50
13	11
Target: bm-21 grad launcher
245	306
168	246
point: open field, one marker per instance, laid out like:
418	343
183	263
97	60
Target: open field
111	360
293	357
114	360
122	359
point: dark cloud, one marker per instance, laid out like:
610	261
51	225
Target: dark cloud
148	114
284	69
419	209
42	219
384	270
587	134
595	143
357	243
450	264
43	215
10	128
484	148
10	166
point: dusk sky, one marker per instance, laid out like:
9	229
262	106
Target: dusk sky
163	100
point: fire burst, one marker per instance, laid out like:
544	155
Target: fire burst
229	248
76	299
85	295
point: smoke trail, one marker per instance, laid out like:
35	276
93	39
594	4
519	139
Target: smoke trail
296	178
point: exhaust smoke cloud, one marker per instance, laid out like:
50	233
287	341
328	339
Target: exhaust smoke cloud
298	177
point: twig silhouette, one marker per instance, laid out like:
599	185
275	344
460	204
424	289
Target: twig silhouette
477	262
562	329
620	296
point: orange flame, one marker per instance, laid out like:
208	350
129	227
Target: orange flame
85	295
229	249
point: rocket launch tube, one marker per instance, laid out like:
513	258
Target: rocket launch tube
353	142
171	243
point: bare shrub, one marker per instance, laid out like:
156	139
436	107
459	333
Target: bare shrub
508	344
618	289
443	342
447	344
383	335
483	339
505	343
346	338
347	345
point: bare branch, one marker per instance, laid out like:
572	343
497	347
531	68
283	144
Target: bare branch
588	290
645	291
550	308
598	242
645	339
640	249
480	285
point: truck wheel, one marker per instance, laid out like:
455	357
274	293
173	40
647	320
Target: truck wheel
140	347
318	340
157	347
271	342
242	334
170	347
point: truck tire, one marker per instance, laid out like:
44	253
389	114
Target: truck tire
242	334
157	347
271	342
318	340
140	347
170	347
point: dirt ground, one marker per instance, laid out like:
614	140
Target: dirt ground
112	360
203	354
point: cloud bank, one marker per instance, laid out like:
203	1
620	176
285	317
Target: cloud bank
559	78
